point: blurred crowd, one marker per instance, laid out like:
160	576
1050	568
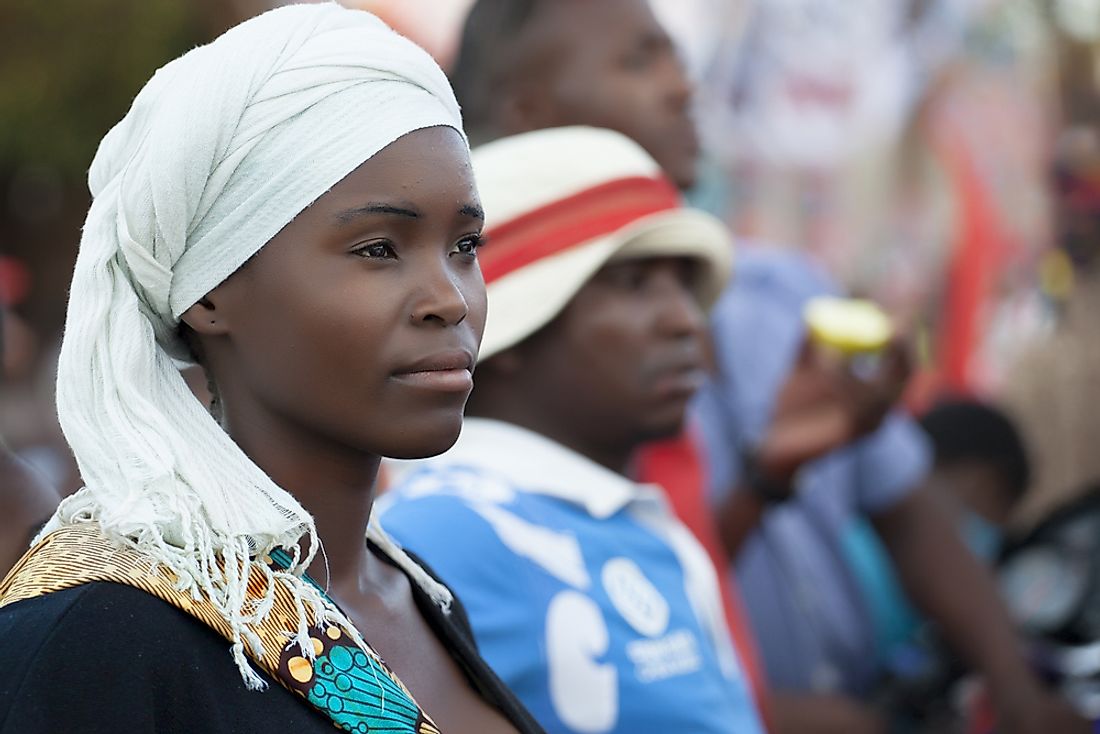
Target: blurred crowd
939	157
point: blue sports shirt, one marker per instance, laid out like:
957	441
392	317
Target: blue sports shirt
587	596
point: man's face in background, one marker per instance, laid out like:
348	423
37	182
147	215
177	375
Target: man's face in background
610	64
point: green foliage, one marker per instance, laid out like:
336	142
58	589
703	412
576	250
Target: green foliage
69	69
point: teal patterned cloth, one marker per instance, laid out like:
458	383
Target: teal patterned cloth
359	695
349	684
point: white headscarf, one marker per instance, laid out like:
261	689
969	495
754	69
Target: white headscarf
222	148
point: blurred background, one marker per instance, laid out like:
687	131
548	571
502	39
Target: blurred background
938	155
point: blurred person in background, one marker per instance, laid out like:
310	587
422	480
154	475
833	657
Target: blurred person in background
28	419
980	473
1053	390
806	476
586	594
26	502
26	499
983	465
797	455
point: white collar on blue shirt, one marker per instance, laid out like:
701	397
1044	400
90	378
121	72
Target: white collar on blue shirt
535	463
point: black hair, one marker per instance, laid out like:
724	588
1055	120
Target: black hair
964	430
487	52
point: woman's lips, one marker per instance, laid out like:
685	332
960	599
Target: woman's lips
448	380
446	371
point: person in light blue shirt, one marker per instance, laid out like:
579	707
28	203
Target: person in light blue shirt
803	459
587	595
811	623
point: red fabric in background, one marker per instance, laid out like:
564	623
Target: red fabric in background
676	465
977	250
980	249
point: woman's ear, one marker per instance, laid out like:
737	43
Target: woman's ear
204	318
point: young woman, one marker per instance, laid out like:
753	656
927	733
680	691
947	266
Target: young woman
292	207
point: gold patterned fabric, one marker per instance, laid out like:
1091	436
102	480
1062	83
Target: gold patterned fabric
347	682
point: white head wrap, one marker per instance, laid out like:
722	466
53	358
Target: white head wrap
222	148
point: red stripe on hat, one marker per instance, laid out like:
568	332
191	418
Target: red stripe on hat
567	223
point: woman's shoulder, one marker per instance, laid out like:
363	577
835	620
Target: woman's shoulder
110	657
98	618
98	631
88	618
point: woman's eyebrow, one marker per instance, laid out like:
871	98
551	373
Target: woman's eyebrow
350	215
473	211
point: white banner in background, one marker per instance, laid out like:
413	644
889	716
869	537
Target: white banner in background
810	82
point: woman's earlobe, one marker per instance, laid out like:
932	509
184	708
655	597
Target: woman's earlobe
203	318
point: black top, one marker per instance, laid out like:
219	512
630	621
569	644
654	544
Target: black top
105	657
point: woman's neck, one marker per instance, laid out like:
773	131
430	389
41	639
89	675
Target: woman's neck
341	514
334	483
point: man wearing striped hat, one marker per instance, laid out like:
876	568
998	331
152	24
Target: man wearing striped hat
596	606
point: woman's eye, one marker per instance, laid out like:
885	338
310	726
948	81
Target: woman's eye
469	245
383	250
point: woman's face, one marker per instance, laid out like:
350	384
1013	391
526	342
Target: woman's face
358	324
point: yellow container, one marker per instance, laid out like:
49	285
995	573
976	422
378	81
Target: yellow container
849	325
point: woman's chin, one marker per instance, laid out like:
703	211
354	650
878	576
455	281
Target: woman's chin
424	441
